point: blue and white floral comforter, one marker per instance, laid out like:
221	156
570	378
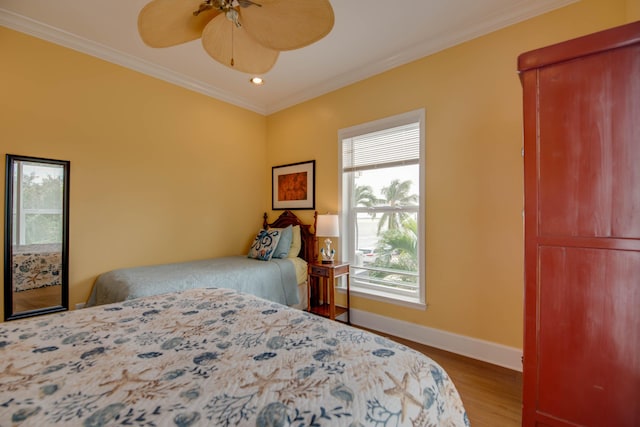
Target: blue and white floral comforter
213	357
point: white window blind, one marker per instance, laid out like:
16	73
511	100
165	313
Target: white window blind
397	146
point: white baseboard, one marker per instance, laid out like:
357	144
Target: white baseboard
497	354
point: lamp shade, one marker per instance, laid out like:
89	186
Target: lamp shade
327	226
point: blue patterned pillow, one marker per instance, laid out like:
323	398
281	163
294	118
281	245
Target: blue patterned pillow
286	235
264	244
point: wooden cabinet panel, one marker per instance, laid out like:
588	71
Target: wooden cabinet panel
589	332
589	168
582	231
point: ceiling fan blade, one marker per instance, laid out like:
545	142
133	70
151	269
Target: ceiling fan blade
164	23
233	47
288	24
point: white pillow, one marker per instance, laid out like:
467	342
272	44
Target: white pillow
296	243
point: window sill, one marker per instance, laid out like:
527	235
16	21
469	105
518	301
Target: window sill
385	297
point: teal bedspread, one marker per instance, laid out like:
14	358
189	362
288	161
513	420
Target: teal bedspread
274	280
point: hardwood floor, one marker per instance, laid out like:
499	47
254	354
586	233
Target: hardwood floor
492	395
35	299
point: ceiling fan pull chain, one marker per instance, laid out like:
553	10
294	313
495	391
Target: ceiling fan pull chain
232	52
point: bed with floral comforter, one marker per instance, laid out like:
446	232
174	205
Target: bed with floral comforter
213	357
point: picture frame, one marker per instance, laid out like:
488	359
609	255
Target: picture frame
293	186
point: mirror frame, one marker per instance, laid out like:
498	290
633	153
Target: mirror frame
8	239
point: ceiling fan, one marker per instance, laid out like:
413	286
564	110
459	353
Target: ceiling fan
241	34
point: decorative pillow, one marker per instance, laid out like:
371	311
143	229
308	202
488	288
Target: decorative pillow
264	244
286	236
296	243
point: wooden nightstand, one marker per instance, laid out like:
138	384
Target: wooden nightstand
321	286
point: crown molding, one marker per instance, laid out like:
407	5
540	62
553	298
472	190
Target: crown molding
499	21
516	14
45	32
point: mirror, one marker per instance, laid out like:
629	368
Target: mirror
36	237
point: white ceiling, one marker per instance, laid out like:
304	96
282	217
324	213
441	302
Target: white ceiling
369	37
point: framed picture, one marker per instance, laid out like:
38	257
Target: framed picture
294	186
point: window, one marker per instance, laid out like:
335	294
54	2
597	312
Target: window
382	216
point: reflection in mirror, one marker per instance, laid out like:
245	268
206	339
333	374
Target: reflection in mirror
36	236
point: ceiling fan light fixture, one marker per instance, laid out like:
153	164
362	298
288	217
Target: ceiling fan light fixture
233	16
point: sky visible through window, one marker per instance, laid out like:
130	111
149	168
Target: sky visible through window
377	179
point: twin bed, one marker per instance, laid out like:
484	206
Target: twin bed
281	280
213	357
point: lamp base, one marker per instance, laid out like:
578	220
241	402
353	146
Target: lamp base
327	253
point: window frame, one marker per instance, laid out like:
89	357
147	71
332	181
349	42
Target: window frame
347	242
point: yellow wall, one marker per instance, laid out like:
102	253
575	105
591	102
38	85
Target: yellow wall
472	98
633	10
158	173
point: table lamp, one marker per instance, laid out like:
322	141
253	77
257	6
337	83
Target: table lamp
327	226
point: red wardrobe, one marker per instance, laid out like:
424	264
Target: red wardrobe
582	231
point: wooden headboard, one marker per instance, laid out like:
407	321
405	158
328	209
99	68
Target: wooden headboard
308	250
